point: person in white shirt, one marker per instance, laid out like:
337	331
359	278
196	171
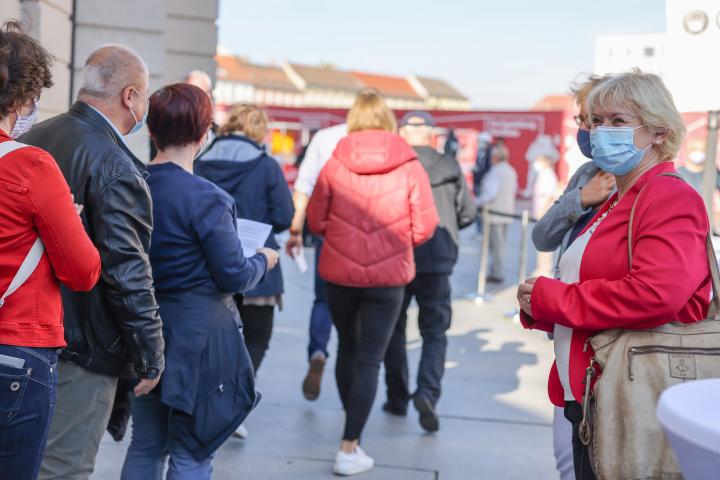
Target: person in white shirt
498	192
318	153
544	191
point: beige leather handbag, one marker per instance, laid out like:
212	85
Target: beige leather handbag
619	425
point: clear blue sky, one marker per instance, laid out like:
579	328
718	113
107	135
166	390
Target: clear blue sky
502	54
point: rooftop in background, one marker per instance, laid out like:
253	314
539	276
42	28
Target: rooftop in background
296	85
387	85
440	88
239	70
327	77
554	103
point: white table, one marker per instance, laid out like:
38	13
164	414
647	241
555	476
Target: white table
690	414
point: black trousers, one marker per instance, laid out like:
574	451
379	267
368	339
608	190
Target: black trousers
257	329
365	319
432	293
581	454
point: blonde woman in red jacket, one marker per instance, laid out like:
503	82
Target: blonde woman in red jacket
39	229
636	132
373	204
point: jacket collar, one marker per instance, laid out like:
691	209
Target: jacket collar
102	124
660	168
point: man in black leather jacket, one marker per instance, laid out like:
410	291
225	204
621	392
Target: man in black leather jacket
114	330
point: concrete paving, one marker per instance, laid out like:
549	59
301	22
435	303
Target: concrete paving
495	416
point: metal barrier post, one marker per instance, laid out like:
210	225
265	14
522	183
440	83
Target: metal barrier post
524	245
482	295
522	268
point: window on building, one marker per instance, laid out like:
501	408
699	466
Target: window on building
649	51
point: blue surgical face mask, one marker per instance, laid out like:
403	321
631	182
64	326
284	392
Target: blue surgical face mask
583	141
139	124
614	150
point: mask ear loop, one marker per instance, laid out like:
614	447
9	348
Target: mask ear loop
651	143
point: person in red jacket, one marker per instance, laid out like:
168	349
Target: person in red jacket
636	132
372	204
42	243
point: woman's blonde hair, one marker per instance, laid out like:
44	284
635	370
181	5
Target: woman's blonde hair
581	90
369	112
648	98
250	120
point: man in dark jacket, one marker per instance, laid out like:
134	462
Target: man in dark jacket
434	262
115	329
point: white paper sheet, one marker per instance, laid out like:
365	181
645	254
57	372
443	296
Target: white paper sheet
253	235
298	254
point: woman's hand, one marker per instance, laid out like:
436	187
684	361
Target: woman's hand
524	292
78	208
294	242
271	255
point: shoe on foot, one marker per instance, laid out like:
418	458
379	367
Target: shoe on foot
428	416
394	409
352	463
311	384
493	279
241	432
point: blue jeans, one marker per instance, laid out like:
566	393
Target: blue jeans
320	319
27	401
152	442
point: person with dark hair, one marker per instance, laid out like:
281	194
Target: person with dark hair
42	243
115	329
197	261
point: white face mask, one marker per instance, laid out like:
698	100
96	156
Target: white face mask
23	123
697	157
205	143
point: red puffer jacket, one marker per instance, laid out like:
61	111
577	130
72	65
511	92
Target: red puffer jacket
373	204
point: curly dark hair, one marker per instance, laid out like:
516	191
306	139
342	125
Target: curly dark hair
24	68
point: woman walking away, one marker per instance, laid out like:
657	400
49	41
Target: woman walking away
636	132
207	389
373	204
239	165
42	243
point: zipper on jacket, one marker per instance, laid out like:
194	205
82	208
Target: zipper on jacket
140	351
646	349
584	429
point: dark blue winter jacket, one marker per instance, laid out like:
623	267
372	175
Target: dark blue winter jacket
243	169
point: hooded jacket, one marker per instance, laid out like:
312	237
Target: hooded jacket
373	204
455	207
256	182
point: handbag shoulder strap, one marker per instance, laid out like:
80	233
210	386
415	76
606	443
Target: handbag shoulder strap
32	259
712	259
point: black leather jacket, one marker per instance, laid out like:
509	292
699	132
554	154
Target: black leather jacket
115	329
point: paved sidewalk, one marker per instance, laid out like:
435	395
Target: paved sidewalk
495	415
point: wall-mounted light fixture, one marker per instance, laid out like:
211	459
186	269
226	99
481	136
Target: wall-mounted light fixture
695	22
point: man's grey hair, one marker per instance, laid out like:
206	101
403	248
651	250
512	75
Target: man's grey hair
109	69
196	75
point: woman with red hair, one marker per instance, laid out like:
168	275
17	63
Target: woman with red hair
207	388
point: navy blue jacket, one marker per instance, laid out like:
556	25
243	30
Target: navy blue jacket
243	169
198	264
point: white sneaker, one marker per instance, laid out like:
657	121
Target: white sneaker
241	432
352	463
